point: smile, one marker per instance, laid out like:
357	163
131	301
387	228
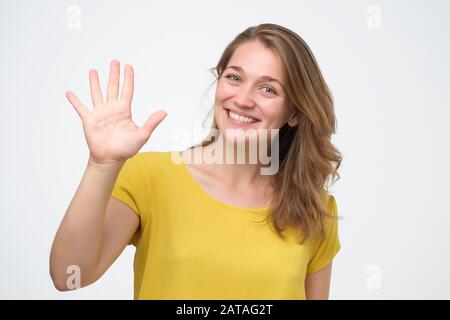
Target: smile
240	118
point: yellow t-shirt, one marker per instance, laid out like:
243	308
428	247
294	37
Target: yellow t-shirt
192	246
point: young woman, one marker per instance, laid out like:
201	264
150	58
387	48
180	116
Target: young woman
212	230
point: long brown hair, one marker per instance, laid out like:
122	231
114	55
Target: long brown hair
307	158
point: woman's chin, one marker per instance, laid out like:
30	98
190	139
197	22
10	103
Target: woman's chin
238	136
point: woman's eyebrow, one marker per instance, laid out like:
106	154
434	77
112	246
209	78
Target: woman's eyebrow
267	78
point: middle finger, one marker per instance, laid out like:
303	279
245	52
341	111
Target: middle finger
114	77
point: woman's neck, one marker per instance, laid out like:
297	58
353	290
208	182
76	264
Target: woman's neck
236	169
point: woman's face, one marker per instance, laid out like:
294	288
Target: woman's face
246	97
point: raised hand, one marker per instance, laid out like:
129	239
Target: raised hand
110	132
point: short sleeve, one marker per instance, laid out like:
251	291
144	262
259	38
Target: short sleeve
329	245
132	188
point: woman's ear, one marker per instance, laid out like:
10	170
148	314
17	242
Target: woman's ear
293	120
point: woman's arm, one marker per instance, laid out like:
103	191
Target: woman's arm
317	284
94	230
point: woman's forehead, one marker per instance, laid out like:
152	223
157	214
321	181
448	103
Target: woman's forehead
256	60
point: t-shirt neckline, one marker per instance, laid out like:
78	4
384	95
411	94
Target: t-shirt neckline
199	188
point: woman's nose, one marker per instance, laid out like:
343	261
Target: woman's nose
244	97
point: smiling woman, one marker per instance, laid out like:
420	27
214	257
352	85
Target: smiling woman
215	230
298	102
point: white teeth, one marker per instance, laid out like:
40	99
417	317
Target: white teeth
241	118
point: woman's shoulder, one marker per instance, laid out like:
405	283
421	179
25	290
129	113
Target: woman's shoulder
159	157
159	161
329	200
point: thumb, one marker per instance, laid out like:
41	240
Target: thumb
152	122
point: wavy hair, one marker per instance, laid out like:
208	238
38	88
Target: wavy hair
308	160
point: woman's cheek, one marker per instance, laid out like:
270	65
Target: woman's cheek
226	90
274	115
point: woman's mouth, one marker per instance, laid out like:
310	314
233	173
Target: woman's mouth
240	119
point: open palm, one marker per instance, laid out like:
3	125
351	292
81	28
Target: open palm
110	132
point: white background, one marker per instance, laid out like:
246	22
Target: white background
386	63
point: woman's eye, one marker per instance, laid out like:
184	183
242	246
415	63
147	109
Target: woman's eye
273	91
231	76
